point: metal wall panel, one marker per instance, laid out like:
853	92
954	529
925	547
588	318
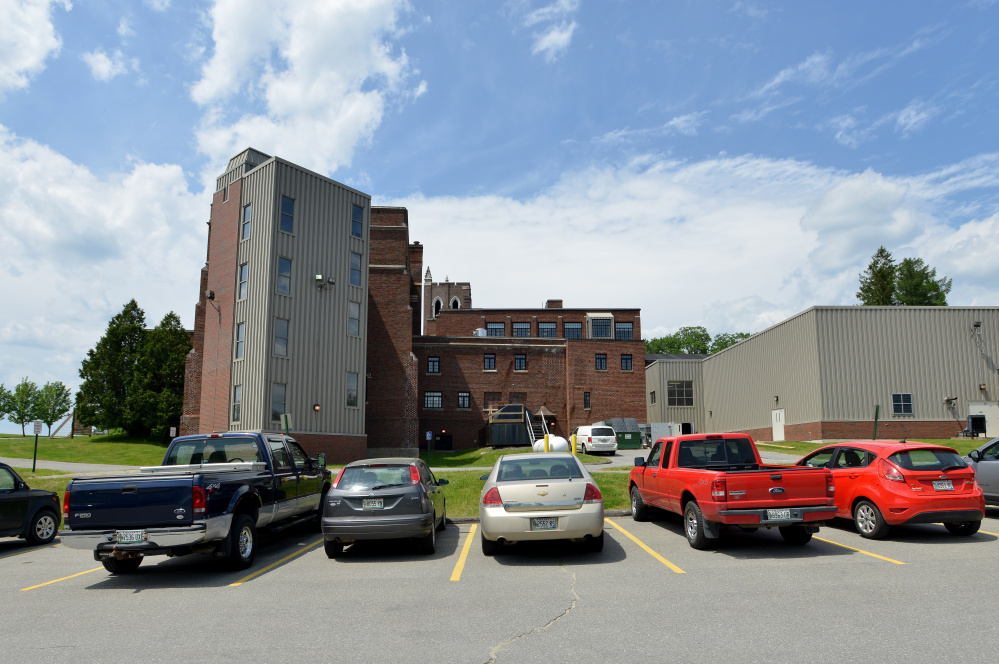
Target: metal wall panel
658	374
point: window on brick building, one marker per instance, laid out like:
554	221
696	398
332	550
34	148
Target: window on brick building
240	340
247	213
573	330
455	303
625	362
284	276
901	404
495	329
624	331
287	223
281	337
601	361
433	365
586	401
354	318
356	221
489	362
547	330
520	362
237	402
521	329
679	393
352	389
464	399
432	400
600	328
278	400
244	271
355	269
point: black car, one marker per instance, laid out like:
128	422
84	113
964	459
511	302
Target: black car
25	512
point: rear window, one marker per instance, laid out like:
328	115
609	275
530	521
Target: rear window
928	460
715	452
212	450
602	431
368	478
516	470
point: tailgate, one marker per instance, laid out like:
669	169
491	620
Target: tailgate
790	486
147	502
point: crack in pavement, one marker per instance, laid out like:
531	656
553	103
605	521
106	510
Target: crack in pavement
495	650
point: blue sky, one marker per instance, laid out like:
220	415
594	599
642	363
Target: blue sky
724	164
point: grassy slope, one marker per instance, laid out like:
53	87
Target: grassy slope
801	448
115	449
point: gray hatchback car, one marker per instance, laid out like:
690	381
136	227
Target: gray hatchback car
384	499
985	461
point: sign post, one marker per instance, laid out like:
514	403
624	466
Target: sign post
38	430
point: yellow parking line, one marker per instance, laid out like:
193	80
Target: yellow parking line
37	548
460	565
647	549
866	553
47	583
988	533
275	564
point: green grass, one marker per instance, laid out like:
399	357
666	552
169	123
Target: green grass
801	448
483	457
112	449
27	475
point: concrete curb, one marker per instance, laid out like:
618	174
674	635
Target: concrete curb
475	519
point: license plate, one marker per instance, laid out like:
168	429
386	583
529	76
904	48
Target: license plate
130	536
943	485
778	515
373	503
544	523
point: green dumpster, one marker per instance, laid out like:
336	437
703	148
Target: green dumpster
629	440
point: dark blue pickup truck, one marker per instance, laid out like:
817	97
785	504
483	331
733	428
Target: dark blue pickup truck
211	494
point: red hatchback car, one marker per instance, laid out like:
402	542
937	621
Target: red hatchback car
886	483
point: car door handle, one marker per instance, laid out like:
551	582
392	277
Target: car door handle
853	477
653	475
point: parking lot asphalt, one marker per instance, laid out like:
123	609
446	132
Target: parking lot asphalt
922	595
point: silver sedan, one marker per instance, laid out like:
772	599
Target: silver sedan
540	496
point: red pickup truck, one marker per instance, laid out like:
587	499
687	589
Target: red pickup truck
719	478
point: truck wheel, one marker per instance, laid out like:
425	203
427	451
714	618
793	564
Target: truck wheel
639	510
42	528
489	547
964	528
429	543
795	535
443	523
123	566
333	548
243	541
693	526
869	521
322	506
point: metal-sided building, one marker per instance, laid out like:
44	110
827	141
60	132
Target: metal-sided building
823	373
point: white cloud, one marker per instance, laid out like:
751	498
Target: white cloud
557	28
554	41
685	125
27	40
125	28
321	77
104	67
914	117
158	5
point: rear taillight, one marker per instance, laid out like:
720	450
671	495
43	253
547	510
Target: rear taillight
338	476
830	486
198	500
414	474
889	471
492	497
65	506
592	494
718	489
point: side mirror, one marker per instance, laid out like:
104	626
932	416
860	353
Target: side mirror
321	460
639	461
975	455
484	477
444	482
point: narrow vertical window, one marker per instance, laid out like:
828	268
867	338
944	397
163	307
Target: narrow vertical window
246	222
354	318
433	365
284	276
652	397
464	399
240	339
244	271
586	400
287	214
489	362
352	389
281	337
355	269
237	402
626	363
357	221
601	361
278	396
520	362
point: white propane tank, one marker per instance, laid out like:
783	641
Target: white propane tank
555	444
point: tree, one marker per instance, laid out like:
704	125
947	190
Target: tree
5	405
107	372
53	403
726	339
686	340
877	282
23	403
916	284
156	394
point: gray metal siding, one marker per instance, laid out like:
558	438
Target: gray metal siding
657	375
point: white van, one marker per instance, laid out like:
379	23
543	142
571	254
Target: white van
596	438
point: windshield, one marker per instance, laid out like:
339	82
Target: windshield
715	452
367	478
212	450
602	431
515	470
928	460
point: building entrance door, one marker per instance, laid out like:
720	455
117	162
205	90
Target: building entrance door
777	420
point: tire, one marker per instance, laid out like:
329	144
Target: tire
795	535
489	547
868	520
42	528
639	510
123	566
243	541
443	524
595	544
322	506
333	548
963	528
428	544
693	526
585	451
